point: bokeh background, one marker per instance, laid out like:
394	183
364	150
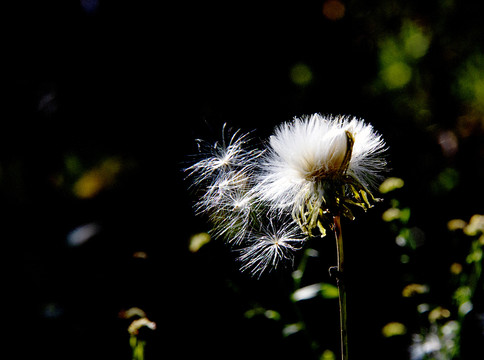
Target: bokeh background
101	104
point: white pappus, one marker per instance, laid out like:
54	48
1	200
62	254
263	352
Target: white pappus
268	201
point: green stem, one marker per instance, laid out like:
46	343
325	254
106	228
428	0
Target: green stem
137	346
341	288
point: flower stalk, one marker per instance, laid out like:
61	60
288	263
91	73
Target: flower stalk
341	288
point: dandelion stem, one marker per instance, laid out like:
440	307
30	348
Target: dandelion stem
341	288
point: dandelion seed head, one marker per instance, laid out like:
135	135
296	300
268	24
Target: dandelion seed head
267	202
313	148
311	158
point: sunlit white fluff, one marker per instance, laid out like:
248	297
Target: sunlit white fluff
367	160
267	202
308	152
270	245
233	215
222	157
221	192
223	166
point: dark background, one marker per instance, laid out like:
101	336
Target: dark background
138	81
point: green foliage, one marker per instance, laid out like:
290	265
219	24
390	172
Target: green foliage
399	55
394	329
445	181
470	82
439	332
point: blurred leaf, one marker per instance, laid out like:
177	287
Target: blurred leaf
405	215
415	41
136	325
131	312
390	52
423	308
272	315
310	252
438	313
410	237
97	178
446	180
474	256
397	53
249	314
470	83
394	329
390	184
297	275
396	75
197	241
456	268
404	259
291	329
401	239
465	307
328	355
307	292
414	289
462	294
391	214
327	291
397	214
82	234
260	311
475	226
456	224
89	185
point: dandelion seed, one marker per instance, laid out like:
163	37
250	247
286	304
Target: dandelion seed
223	168
221	158
221	190
233	216
224	175
271	245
